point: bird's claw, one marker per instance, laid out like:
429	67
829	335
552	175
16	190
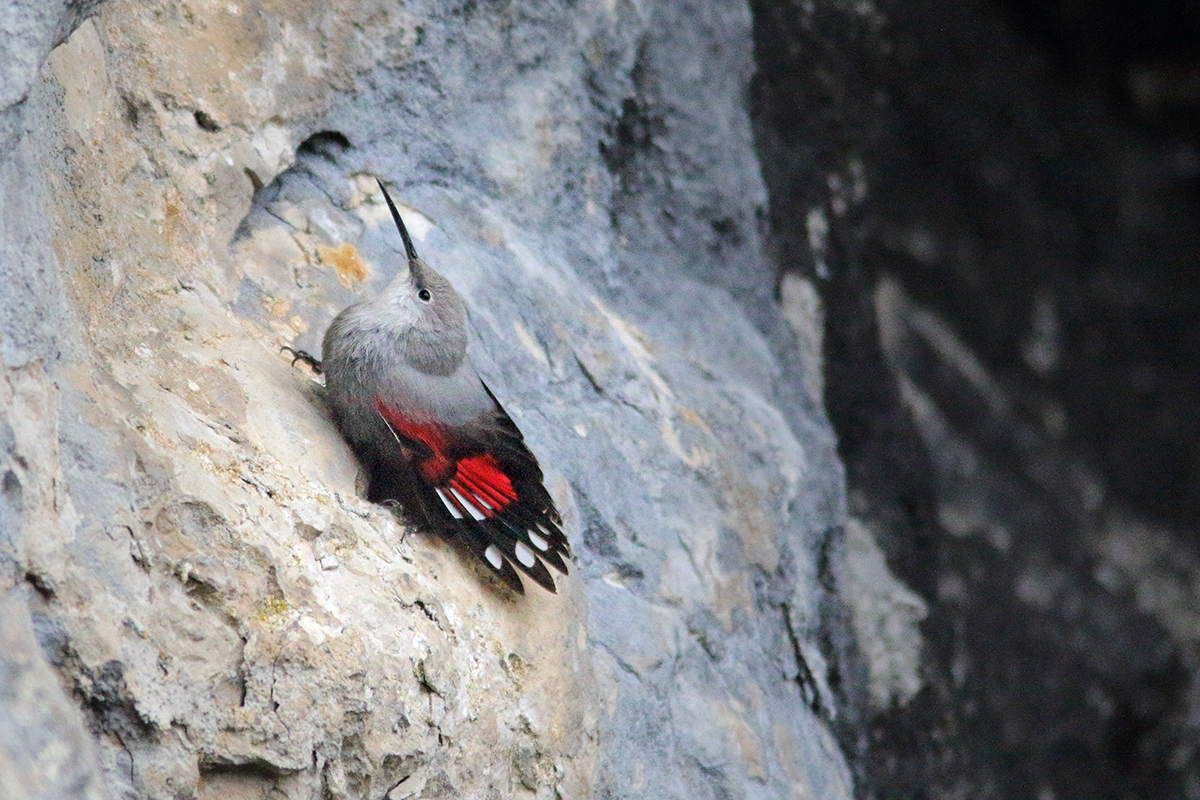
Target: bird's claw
300	355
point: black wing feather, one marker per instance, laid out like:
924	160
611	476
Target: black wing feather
394	477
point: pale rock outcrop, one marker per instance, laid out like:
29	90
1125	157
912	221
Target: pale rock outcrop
189	188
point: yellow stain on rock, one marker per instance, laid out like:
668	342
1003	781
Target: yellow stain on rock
346	261
272	607
277	306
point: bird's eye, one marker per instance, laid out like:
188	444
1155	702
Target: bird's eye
424	295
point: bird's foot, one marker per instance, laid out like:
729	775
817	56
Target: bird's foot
300	355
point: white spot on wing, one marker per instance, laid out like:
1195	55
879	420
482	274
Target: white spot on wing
492	554
470	505
539	542
525	555
550	534
449	506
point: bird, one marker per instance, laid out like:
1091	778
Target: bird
433	439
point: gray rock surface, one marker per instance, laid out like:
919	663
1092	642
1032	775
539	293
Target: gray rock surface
189	187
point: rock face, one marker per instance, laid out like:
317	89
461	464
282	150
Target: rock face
1007	260
683	228
218	614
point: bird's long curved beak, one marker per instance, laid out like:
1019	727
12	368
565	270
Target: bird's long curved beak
409	249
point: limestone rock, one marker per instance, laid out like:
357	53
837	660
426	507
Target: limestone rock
191	189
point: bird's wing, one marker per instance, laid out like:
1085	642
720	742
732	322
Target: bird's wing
481	482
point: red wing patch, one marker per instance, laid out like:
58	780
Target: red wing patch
479	489
504	530
475	486
482	476
434	467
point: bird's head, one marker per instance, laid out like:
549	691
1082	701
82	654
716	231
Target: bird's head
426	312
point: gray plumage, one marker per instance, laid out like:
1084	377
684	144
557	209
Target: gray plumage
430	434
